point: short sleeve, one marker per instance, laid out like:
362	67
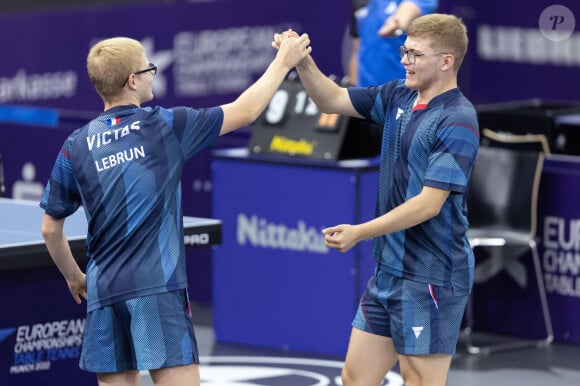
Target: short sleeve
454	151
61	196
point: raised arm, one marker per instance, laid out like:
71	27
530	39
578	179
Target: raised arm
328	96
250	104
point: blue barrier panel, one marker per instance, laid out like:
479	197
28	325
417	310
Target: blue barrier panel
508	302
275	283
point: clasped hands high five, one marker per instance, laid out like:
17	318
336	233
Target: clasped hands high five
293	47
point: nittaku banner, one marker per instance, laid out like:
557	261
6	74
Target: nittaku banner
276	284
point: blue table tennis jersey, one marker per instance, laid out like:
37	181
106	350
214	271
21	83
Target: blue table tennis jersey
435	146
124	168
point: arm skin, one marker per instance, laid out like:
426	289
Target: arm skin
406	12
328	96
417	210
59	249
250	104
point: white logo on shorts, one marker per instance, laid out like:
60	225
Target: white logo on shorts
417	330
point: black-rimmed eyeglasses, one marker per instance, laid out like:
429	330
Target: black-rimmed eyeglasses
412	55
152	69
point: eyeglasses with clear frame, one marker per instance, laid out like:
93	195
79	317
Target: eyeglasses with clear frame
412	55
152	69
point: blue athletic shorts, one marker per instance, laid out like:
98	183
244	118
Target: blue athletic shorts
420	318
145	333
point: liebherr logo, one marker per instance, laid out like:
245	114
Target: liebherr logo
260	233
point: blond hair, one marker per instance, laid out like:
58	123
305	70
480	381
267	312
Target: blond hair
110	63
447	33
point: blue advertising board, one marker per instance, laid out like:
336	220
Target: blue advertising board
519	51
42	330
508	303
559	227
206	52
275	282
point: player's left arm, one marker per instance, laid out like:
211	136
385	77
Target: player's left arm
422	207
60	252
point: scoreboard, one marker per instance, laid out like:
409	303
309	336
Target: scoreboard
293	125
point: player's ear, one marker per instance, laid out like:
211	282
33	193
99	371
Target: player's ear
448	62
131	82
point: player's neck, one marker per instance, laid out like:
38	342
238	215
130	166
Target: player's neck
121	102
425	96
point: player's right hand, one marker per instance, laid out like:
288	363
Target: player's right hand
293	50
279	37
78	288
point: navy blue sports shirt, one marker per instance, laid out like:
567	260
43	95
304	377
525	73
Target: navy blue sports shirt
434	145
124	168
